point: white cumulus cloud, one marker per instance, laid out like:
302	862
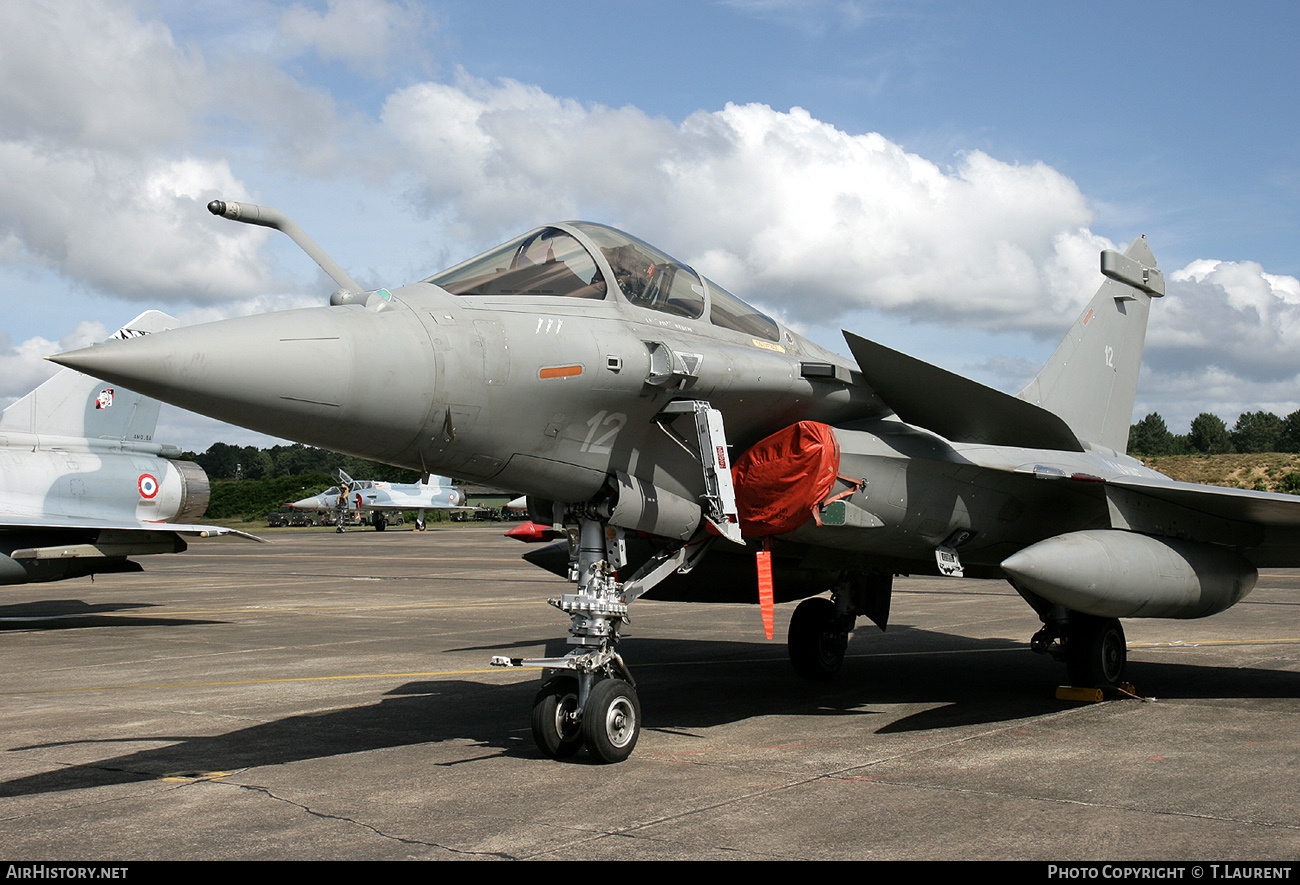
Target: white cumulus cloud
813	222
785	208
114	134
132	227
361	34
23	366
98	108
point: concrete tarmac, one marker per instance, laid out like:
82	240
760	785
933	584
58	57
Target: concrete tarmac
329	697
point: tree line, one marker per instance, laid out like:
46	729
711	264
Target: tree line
224	461
1209	435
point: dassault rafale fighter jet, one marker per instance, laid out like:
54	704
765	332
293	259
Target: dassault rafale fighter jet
612	384
376	497
82	483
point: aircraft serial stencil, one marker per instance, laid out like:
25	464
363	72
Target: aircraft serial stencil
612	384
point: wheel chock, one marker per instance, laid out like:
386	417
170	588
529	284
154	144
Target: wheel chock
1083	695
1096	695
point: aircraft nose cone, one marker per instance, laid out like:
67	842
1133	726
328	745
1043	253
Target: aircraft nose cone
342	378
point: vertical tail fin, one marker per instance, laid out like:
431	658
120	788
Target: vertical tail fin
1091	379
76	405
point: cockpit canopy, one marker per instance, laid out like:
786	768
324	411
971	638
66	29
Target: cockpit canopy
579	259
352	486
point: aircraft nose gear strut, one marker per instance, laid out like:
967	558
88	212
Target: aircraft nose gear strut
592	700
594	703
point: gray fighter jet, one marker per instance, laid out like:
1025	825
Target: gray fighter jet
376	497
82	483
611	384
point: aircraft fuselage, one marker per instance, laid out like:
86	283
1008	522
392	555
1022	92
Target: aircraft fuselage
80	478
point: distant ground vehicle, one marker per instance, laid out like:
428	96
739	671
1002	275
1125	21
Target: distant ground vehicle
382	519
287	516
330	517
479	514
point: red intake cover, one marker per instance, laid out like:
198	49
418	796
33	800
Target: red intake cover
782	478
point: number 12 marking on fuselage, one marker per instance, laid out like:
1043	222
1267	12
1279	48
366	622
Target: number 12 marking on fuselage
601	445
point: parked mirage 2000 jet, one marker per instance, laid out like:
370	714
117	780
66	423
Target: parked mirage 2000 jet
376	497
82	483
611	383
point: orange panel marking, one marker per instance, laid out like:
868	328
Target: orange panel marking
559	372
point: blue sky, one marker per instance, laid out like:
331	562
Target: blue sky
937	176
1177	114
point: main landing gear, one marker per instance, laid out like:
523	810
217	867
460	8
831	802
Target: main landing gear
818	638
820	627
1093	648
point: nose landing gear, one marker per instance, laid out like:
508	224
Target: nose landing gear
592	702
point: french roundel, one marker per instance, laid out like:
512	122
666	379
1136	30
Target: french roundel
148	485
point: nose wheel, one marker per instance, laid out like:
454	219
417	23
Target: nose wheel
592	701
607	724
557	729
611	720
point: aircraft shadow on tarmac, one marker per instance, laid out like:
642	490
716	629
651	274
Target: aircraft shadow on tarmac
685	686
73	614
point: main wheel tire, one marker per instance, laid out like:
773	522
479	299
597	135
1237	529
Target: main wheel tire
816	641
1097	653
611	720
555	731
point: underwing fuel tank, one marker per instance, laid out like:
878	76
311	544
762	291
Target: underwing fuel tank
1118	574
